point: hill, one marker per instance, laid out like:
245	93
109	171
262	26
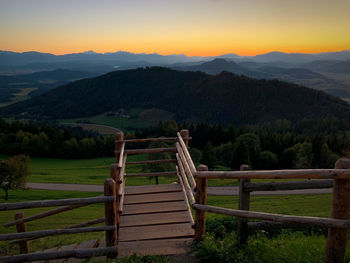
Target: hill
12	87
194	96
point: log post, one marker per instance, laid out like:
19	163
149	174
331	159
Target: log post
119	137
115	173
21	227
110	213
201	198
337	238
244	204
185	135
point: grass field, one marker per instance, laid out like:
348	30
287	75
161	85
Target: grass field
62	220
96	170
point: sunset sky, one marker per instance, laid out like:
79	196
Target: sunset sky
191	27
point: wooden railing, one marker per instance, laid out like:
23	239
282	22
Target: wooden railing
194	182
338	224
22	237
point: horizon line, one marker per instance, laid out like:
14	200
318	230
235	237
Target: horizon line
173	54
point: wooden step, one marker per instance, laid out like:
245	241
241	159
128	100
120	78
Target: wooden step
155	247
153	198
154	219
154	208
148	189
155	232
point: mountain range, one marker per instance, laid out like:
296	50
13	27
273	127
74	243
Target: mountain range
193	96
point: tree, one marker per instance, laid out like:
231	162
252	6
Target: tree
13	173
246	150
267	160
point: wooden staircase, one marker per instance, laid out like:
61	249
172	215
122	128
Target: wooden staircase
155	221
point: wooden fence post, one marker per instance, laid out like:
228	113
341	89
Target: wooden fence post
118	145
201	198
337	238
115	173
23	245
110	213
185	134
244	204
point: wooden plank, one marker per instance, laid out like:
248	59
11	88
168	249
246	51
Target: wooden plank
42	215
153	219
45	233
153	198
46	203
147	189
307	220
153	139
154	208
148	150
167	173
155	232
275	186
155	247
152	162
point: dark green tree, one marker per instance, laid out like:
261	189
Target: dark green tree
13	173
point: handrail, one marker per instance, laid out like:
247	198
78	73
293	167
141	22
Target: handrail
277	174
58	202
43	214
148	150
44	233
121	155
152	139
186	153
317	221
121	188
185	164
187	187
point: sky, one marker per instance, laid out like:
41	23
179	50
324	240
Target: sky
191	27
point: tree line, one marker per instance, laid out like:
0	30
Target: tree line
275	145
44	140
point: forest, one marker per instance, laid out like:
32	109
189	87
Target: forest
274	145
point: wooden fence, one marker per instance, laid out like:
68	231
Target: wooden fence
338	223
194	182
22	236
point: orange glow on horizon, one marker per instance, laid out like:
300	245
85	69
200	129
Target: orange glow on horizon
189	54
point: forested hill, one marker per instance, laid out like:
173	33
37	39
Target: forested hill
223	98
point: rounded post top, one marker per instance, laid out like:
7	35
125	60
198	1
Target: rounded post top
342	163
109	185
202	167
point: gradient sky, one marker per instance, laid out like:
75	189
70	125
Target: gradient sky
192	27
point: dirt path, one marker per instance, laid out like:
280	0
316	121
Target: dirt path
217	190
